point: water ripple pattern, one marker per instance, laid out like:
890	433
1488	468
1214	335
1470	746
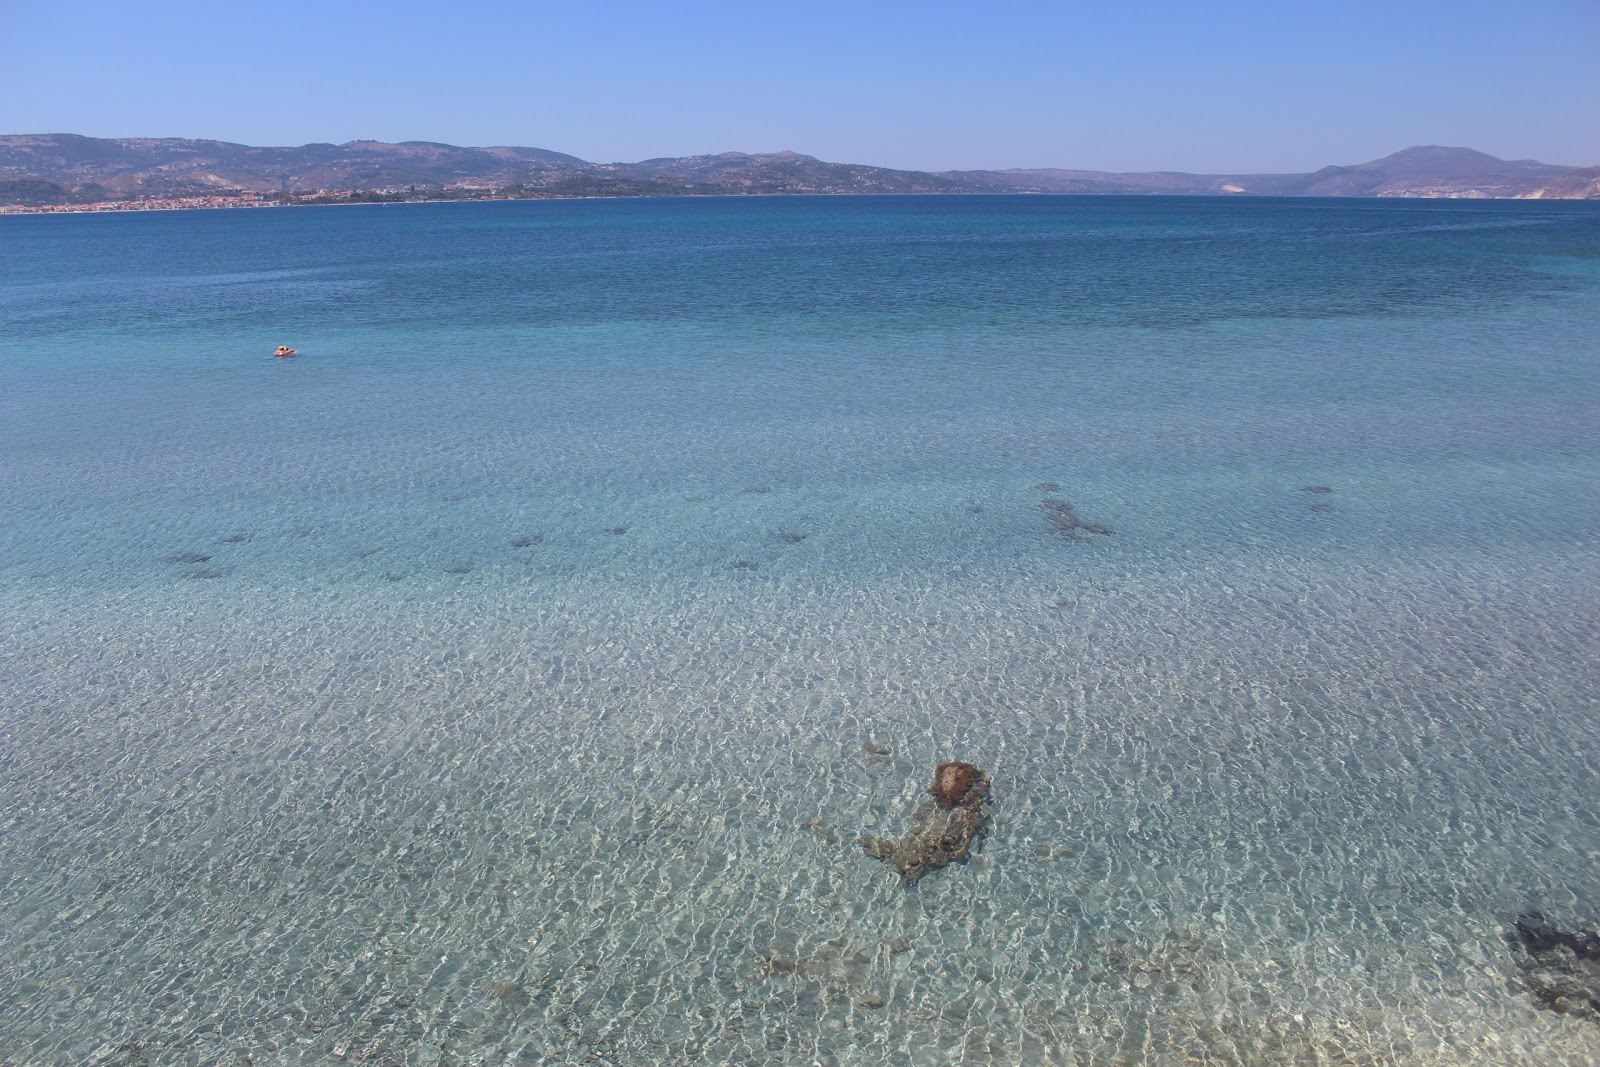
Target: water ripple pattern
509	677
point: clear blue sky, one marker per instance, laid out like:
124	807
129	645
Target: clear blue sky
1286	85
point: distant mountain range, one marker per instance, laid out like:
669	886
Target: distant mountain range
46	169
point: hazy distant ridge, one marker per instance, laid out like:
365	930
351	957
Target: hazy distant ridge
1426	171
58	168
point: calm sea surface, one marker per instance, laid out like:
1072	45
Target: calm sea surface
303	762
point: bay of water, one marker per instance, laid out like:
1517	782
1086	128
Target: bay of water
302	761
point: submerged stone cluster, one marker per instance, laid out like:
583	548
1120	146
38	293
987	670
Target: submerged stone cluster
1559	968
1066	523
942	828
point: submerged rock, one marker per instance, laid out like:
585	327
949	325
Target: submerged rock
957	784
942	828
1560	968
508	992
821	829
1066	522
841	962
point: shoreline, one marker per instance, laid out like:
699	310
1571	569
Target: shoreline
128	208
116	207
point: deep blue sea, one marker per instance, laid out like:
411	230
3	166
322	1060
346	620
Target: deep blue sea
507	678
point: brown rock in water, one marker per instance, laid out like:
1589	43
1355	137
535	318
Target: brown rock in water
942	828
958	784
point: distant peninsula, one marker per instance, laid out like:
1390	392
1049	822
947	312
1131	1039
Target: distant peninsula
66	172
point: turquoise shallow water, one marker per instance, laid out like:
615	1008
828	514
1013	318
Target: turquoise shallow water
1275	770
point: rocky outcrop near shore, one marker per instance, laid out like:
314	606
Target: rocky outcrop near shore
1581	183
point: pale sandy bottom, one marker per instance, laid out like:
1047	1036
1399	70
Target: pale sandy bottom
597	800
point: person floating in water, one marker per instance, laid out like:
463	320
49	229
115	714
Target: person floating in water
284	352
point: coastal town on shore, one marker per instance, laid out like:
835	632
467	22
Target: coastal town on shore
243	200
174	203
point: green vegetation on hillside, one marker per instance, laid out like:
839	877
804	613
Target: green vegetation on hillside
33	192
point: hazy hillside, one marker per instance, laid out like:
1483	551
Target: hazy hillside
1582	183
786	172
1432	171
174	166
1429	170
44	169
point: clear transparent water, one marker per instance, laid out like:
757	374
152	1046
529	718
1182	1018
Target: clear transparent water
369	784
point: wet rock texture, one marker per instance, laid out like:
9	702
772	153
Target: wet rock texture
942	828
1560	968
